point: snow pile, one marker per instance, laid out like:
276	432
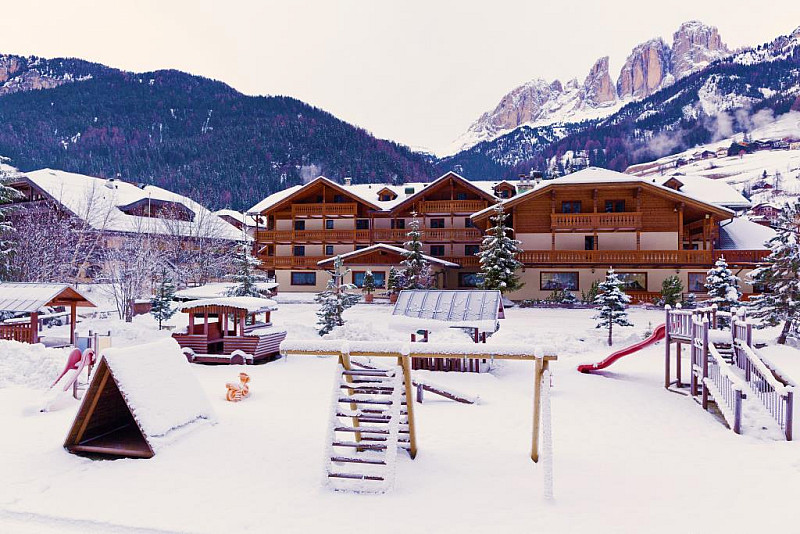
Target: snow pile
32	366
159	387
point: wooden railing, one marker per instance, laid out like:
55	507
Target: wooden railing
313	236
616	257
290	262
452	206
739	257
600	221
16	332
320	209
463	261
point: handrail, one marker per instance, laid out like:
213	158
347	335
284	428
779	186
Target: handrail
765	371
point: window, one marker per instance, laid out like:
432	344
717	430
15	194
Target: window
338	199
504	193
385	197
437	250
437	223
550	281
589	242
469	279
378	276
304	279
633	281
571	206
299	225
299	250
461	196
468	223
329	224
615	206
697	283
471	250
361	247
362	224
329	250
399	224
409	190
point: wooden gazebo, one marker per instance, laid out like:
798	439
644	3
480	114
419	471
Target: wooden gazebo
20	298
230	330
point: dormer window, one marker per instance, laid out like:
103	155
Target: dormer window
386	194
158	209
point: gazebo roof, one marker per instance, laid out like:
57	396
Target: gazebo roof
248	304
30	297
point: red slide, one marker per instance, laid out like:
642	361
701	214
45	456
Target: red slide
658	334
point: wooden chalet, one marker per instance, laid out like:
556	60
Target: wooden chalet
234	330
30	298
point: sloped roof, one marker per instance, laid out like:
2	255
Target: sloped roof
743	234
98	201
249	304
217	289
29	297
456	306
388	248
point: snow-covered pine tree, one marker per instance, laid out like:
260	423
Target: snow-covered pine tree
335	299
162	308
671	291
246	275
498	255
391	282
723	288
7	194
780	276
611	303
416	268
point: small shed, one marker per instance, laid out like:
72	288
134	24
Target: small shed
230	330
140	399
30	298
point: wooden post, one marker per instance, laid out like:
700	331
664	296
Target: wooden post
704	355
737	412
537	407
34	327
789	414
405	363
666	347
693	359
419	393
344	361
72	320
678	363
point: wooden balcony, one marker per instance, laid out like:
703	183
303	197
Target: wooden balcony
576	222
451	235
451	206
463	261
335	209
617	257
313	236
742	257
290	262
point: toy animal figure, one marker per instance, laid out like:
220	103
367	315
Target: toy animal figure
237	392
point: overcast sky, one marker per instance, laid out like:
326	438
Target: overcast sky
418	72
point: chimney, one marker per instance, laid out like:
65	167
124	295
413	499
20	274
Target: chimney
524	183
348	181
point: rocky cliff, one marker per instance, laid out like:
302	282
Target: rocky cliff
19	73
645	71
694	47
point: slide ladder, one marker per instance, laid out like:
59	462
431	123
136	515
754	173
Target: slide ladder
369	423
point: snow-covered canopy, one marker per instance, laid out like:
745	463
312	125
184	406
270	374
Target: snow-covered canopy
247	220
468	308
249	304
100	202
30	297
218	290
718	192
160	389
388	248
743	234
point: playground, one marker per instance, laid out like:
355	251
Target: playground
621	442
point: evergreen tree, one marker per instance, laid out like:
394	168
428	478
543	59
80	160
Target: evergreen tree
368	286
392	284
417	271
161	303
671	291
498	256
611	303
335	299
780	276
7	194
246	276
723	288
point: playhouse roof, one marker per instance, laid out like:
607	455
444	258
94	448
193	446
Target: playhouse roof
31	297
469	308
249	304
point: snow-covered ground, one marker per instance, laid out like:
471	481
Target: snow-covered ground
629	455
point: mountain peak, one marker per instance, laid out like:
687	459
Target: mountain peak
694	46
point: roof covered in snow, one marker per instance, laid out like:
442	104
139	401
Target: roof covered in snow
100	202
743	234
29	297
159	387
388	248
717	192
476	308
246	219
249	304
218	289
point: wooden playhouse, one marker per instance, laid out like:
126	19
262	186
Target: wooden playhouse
29	299
235	330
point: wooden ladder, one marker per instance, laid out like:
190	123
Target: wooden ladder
370	421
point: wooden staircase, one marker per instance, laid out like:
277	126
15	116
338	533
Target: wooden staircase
370	420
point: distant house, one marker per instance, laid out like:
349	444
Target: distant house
722	152
239	220
765	213
794	145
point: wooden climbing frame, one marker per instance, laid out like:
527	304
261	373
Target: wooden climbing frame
344	351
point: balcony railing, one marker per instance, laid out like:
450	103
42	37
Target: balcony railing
463	261
290	262
335	209
616	257
452	206
742	257
596	221
378	235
